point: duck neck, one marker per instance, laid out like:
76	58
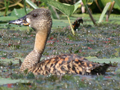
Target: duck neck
34	56
40	42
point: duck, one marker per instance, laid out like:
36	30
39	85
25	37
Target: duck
76	23
40	20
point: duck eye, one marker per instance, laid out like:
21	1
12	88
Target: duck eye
34	15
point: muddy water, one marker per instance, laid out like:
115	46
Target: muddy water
101	42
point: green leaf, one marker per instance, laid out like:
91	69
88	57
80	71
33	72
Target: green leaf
117	2
67	9
84	2
15	14
53	12
18	13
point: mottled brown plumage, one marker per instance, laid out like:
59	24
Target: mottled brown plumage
41	21
68	64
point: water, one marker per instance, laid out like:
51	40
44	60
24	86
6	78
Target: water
100	42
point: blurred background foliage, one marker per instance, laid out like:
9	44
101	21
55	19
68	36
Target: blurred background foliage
95	6
13	9
67	7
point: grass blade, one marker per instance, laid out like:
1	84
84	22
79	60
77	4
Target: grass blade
32	4
25	6
104	11
6	4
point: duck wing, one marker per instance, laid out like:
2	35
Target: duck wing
68	64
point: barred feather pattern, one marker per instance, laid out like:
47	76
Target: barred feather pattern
68	64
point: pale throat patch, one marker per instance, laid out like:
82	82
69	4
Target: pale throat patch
28	20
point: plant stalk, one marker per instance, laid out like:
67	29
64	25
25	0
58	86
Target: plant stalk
90	15
6	3
73	32
98	5
25	6
111	8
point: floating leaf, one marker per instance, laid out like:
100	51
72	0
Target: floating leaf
95	59
8	80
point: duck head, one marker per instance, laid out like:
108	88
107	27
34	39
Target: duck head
38	19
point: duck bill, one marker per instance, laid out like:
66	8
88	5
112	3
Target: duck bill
20	21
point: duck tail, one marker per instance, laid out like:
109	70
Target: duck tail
101	69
